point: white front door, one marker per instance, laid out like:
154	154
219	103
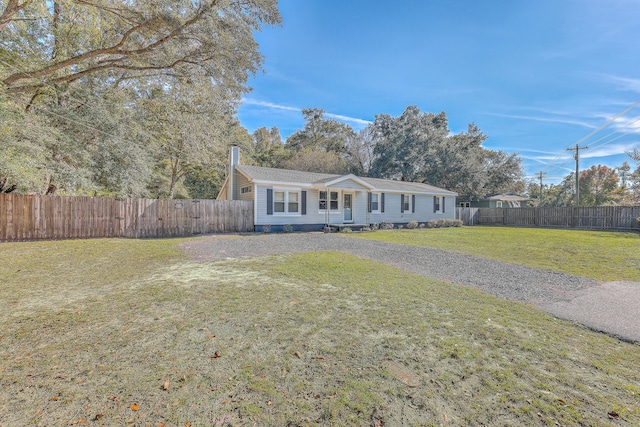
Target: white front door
347	205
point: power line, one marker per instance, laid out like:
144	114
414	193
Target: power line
607	123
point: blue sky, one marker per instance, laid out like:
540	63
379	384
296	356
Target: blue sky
536	76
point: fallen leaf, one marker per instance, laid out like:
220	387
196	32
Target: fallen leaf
165	387
212	336
613	414
135	407
55	399
298	355
319	357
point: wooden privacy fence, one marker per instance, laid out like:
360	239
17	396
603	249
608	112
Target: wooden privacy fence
469	216
601	217
34	217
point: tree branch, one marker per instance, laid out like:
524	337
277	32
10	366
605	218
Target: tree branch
13	7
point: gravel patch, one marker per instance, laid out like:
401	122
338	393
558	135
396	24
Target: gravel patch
501	279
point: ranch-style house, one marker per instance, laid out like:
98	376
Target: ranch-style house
306	201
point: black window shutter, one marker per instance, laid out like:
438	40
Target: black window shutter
368	202
269	201
443	204
435	201
413	203
304	202
382	202
402	203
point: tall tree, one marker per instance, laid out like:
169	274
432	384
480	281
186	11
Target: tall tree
360	151
404	143
418	146
320	133
269	150
52	44
191	125
623	171
84	72
599	186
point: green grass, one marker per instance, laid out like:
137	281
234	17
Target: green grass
304	339
600	255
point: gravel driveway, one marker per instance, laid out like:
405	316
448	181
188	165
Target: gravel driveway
612	307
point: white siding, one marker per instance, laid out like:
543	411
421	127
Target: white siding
348	184
423	209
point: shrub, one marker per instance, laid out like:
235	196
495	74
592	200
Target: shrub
386	226
375	226
287	228
442	223
412	224
346	230
422	225
266	228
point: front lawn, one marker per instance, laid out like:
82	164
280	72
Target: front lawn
126	332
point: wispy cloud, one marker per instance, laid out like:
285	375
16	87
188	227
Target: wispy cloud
624	83
250	101
608	150
552	119
348	119
354	120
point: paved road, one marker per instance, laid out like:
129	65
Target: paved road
613	308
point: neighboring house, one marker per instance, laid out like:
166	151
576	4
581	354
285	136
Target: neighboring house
505	200
310	201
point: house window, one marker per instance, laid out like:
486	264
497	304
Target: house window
465	204
245	190
333	200
293	203
333	203
375	202
499	204
406	203
436	204
286	202
322	201
278	201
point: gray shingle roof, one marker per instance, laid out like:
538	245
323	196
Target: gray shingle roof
272	175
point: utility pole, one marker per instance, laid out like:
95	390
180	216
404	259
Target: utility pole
577	157
540	176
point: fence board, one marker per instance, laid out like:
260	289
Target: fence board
35	217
